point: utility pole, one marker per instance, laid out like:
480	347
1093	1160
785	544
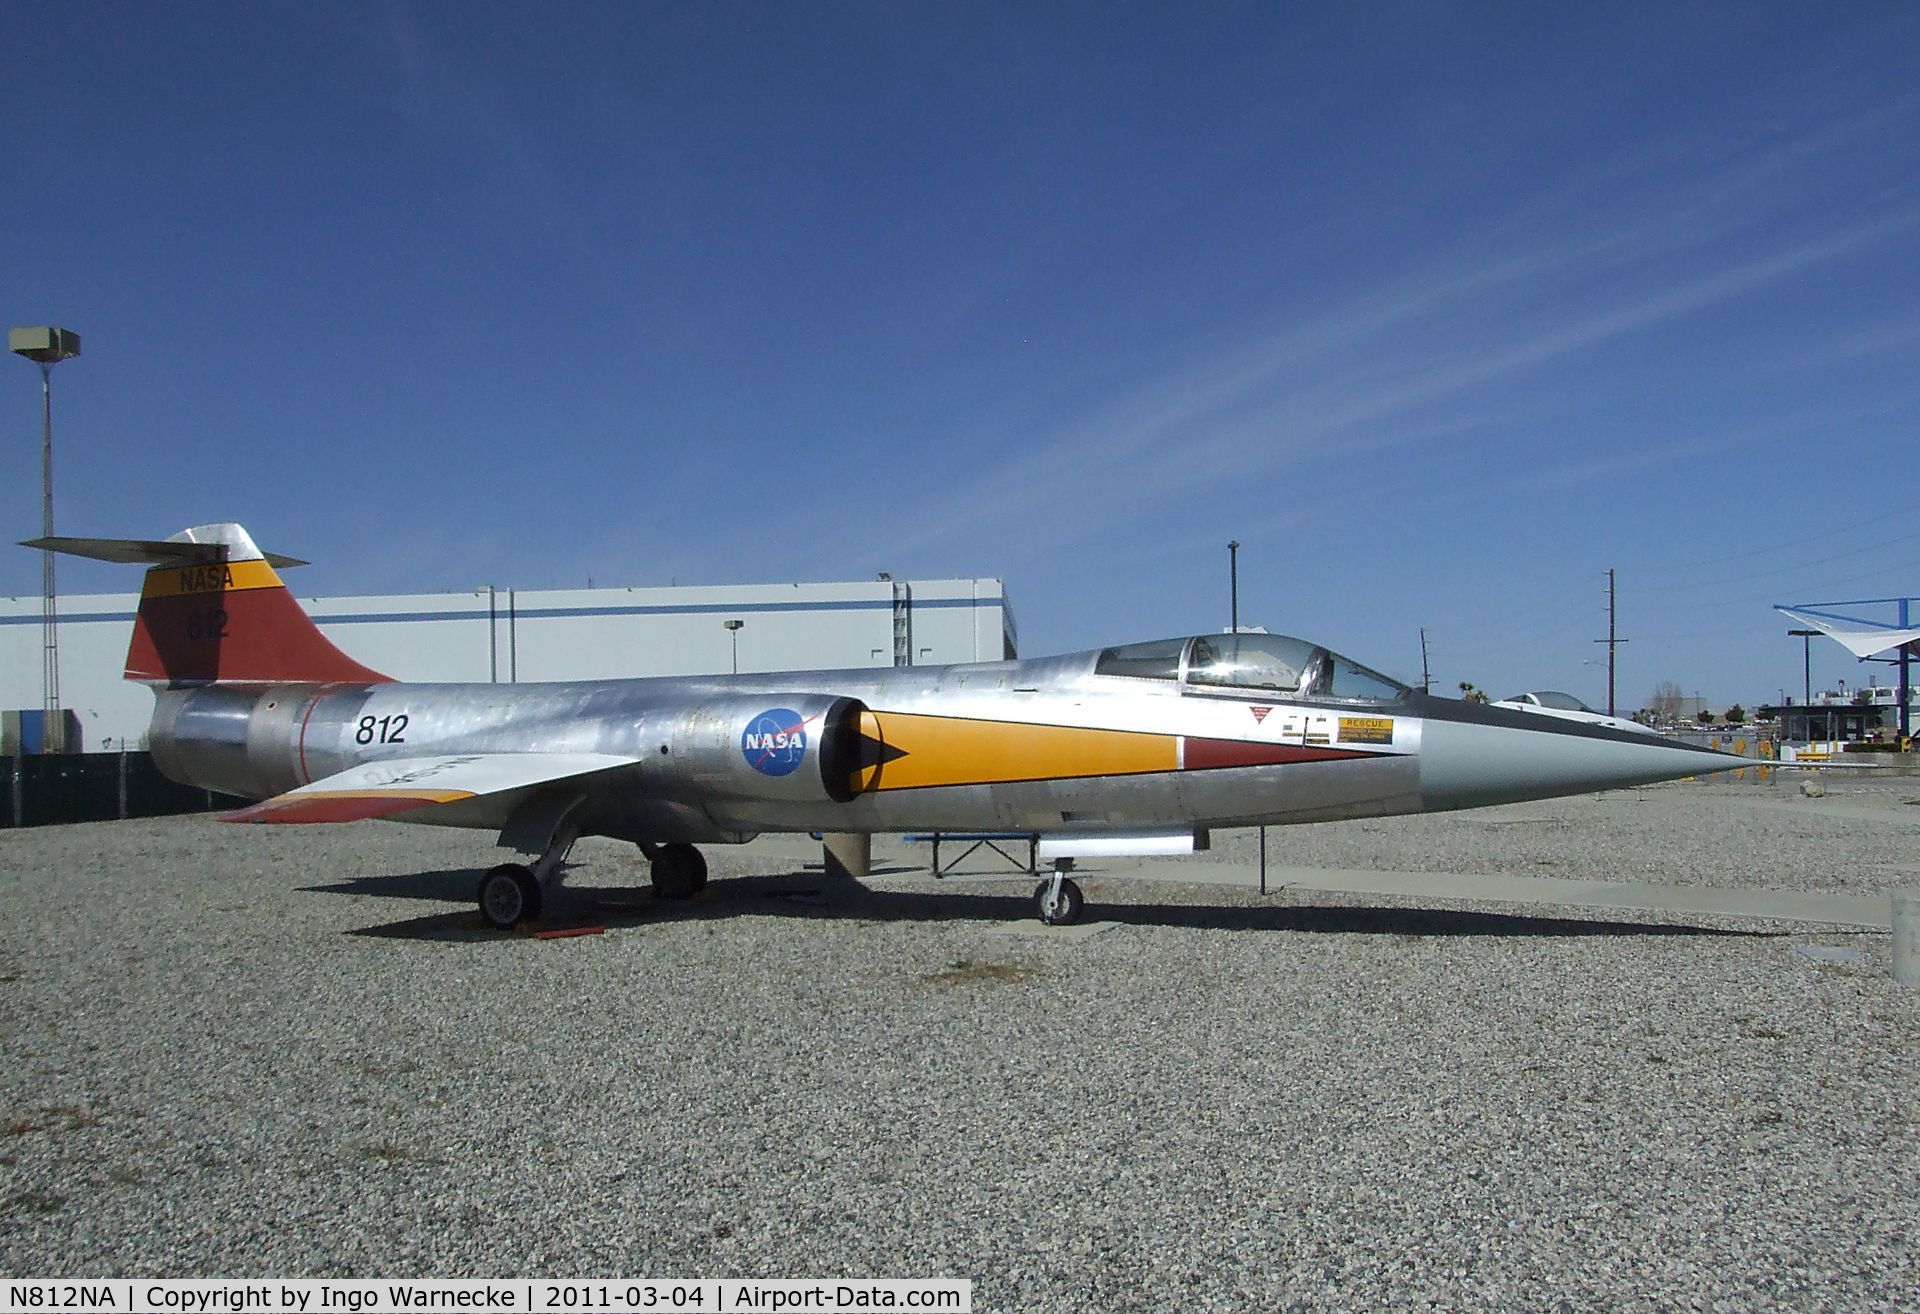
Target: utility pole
1613	643
1233	580
45	347
1426	677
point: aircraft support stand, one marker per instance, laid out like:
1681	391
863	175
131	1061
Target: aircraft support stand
846	854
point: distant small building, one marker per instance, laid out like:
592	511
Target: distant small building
1830	716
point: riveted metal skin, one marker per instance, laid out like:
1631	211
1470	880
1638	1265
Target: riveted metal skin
1047	745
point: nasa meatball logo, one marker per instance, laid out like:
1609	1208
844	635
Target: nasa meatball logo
775	741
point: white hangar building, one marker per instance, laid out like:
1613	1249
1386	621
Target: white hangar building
520	636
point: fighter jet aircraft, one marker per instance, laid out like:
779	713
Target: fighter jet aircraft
1552	702
1190	733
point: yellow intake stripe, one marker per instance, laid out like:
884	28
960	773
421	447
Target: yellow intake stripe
218	577
946	750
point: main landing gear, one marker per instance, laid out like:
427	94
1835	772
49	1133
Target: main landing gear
679	870
510	895
513	892
1057	899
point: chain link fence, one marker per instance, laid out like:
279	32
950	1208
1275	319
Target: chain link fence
58	789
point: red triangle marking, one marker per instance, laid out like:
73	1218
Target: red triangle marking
1259	713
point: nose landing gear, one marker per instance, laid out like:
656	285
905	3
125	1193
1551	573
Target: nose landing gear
1057	899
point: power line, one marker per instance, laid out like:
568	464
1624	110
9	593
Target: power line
1782	570
1775	545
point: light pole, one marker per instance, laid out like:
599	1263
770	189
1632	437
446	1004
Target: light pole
1806	663
1591	661
733	630
46	347
1233	579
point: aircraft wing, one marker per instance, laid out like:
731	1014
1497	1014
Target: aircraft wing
380	789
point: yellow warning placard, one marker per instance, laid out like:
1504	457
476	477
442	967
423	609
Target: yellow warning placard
1366	730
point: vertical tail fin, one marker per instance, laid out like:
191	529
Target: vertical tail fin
213	611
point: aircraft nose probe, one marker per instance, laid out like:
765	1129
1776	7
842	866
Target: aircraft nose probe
1472	756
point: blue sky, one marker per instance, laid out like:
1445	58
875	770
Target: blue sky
1440	310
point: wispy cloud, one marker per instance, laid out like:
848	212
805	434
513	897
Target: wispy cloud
460	108
1391	368
1879	338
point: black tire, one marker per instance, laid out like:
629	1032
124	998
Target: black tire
1067	912
679	872
508	895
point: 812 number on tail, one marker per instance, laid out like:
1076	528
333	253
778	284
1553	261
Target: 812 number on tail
208	624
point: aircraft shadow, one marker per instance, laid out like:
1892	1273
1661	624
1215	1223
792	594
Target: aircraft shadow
806	894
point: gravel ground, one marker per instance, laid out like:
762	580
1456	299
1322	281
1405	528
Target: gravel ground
293	1051
1858	839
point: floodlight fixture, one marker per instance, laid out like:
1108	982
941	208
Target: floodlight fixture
46	346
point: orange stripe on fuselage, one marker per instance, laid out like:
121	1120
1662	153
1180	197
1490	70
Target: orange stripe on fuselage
946	750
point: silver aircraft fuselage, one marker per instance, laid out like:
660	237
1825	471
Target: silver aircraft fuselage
1049	746
1167	736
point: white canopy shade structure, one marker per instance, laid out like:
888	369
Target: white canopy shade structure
1861	638
1866	638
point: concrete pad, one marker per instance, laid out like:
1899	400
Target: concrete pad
1868	910
1829	953
1892	812
1032	928
1872	910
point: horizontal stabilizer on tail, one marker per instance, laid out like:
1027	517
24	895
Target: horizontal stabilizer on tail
380	789
213	611
151	551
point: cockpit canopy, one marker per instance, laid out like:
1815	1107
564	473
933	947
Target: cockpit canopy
1553	698
1274	662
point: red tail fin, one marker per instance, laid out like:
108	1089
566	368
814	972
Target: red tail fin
213	610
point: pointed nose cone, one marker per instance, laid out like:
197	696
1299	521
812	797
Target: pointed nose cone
1474	756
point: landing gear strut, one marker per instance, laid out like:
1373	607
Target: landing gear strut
513	892
679	871
1057	899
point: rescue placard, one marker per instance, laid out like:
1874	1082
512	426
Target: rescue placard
1366	730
